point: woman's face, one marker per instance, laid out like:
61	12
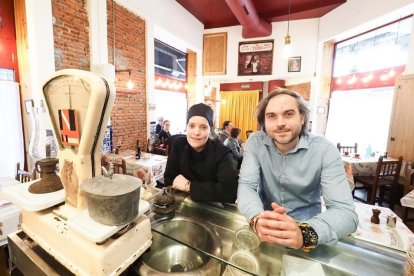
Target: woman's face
198	130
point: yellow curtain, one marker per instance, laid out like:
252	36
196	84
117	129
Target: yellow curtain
238	107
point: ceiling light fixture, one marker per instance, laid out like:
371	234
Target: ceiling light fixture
287	49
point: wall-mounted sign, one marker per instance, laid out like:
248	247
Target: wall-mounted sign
255	58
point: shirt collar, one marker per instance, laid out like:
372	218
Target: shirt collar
303	143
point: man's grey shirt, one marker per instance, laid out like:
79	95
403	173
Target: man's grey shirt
296	180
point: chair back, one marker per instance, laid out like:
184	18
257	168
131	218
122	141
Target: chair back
408	178
161	150
23	176
118	168
350	149
388	171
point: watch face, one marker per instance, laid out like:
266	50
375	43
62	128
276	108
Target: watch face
67	94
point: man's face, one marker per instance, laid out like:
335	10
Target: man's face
283	122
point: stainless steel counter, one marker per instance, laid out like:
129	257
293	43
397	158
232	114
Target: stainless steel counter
348	257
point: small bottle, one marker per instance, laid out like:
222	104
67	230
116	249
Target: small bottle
137	151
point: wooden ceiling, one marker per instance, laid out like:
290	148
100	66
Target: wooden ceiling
216	13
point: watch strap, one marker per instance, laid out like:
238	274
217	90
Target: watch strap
253	222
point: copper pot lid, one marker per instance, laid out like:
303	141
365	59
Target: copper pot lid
120	184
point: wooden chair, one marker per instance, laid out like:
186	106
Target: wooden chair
23	176
408	187
350	149
118	168
387	173
161	151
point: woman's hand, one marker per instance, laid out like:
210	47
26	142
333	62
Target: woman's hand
181	183
277	227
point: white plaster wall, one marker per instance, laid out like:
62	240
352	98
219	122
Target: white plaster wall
356	16
304	36
41	48
170	16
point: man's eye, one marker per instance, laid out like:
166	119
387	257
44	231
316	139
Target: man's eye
270	116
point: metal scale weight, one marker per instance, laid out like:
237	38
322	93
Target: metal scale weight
79	104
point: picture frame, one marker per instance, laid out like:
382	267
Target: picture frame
28	104
294	64
255	57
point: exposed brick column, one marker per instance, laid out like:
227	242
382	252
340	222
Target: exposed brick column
71	34
129	114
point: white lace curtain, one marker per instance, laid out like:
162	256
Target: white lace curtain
11	134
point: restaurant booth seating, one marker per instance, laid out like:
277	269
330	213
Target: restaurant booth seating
385	178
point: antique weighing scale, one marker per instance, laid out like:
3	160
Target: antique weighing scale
79	104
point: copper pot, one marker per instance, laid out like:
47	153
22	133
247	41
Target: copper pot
112	201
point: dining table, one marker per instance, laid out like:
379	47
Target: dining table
149	168
361	165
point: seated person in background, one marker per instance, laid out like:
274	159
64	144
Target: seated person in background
233	144
164	134
225	133
158	127
284	172
199	165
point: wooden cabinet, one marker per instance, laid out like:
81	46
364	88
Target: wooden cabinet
401	134
215	54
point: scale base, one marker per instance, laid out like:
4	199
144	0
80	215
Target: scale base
81	256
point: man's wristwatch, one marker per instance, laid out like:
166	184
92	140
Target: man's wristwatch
310	237
253	222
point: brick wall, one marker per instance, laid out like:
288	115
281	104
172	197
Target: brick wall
129	114
303	89
71	34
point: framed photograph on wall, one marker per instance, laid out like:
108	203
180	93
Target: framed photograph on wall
294	64
255	58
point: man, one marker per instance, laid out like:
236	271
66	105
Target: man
158	127
285	171
226	130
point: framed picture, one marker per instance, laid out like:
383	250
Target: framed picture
28	104
255	58
294	64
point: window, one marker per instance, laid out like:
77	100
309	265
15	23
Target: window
363	85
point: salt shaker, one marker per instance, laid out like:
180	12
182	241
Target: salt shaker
391	221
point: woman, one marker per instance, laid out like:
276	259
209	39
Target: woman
199	165
165	132
233	144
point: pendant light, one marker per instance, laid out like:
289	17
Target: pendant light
287	50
